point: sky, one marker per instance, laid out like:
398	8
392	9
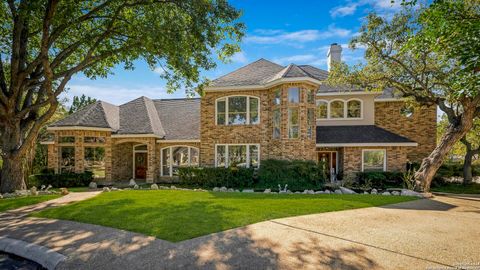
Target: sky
281	31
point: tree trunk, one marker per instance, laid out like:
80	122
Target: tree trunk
12	174
467	167
430	164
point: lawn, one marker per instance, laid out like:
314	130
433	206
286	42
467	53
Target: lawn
12	203
180	215
458	188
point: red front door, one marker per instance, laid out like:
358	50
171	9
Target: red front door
140	165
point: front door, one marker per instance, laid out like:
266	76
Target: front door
329	161
140	165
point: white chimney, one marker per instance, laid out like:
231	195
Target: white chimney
334	54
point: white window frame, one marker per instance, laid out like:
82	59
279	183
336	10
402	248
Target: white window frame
328	109
345	109
373	150
225	98
236	144
361	109
170	150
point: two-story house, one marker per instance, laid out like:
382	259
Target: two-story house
260	111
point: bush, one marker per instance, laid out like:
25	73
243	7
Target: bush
60	180
448	170
209	177
297	174
380	180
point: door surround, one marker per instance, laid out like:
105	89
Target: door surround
135	151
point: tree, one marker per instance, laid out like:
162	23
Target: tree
429	55
45	43
80	102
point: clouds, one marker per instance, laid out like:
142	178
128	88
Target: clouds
379	6
240	58
341	11
276	36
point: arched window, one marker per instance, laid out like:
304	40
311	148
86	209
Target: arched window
237	110
322	109
337	109
354	108
175	157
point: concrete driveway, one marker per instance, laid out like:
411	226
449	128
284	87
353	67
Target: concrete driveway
439	233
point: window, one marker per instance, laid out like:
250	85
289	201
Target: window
67	159
94	139
310	96
294	95
237	155
293	124
277	99
406	111
373	160
277	119
176	157
66	139
354	109
94	161
336	109
310	122
237	110
322	109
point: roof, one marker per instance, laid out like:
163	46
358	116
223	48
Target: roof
170	119
368	134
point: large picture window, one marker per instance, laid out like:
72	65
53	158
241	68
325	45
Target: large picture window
94	161
176	157
237	110
374	160
293	123
67	159
237	155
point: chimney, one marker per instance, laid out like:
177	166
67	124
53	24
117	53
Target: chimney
334	54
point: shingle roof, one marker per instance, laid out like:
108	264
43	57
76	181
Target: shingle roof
139	116
357	134
99	114
180	118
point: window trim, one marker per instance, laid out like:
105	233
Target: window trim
361	109
298	123
170	169
299	96
236	144
226	110
372	150
328	109
345	109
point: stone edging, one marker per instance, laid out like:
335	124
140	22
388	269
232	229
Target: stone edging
39	254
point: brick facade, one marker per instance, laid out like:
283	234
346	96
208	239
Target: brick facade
352	158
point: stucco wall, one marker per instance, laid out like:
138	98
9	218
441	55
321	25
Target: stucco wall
368	110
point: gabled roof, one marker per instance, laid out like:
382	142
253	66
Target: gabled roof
99	115
367	134
139	116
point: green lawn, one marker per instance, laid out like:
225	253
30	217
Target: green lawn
12	203
74	189
180	215
458	188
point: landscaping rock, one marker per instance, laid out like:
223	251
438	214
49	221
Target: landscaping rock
310	191
223	189
132	183
173	187
374	191
338	191
8	195
247	190
365	192
21	192
236	190
34	191
327	191
106	189
154	186
136	187
319	192
298	192
64	191
347	190
216	189
289	192
407	192
267	190
386	193
230	190
163	187
92	185
395	193
115	189
1	196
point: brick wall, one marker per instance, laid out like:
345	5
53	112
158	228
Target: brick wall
420	127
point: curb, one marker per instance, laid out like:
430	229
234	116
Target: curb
42	255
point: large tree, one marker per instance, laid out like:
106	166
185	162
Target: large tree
430	54
44	43
80	102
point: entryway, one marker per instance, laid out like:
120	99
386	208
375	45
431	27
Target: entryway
330	161
140	164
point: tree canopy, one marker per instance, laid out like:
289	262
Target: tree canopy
80	102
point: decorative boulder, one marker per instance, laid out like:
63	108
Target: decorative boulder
223	189
327	191
64	191
132	183
297	192
230	190
289	191
338	191
347	190
374	191
395	193
173	187
248	190
319	192
154	186
310	191
236	190
136	186
386	193
34	191
92	185
1	196
267	191
216	189
106	189
21	192
365	192
114	189
407	192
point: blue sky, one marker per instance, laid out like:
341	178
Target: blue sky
281	31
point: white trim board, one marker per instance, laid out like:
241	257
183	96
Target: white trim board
178	141
262	86
365	144
135	136
78	128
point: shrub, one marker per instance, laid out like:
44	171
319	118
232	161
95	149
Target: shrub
297	174
210	177
448	170
380	180
60	180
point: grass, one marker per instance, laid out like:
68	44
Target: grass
180	215
458	188
13	203
74	189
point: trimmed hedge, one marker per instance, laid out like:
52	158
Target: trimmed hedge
299	175
455	169
61	180
380	180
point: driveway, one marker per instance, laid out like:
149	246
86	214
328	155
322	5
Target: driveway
437	233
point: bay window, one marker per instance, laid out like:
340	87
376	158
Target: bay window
237	155
277	117
294	95
374	160
293	123
67	159
175	157
310	122
237	110
94	161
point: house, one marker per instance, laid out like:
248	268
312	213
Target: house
260	111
